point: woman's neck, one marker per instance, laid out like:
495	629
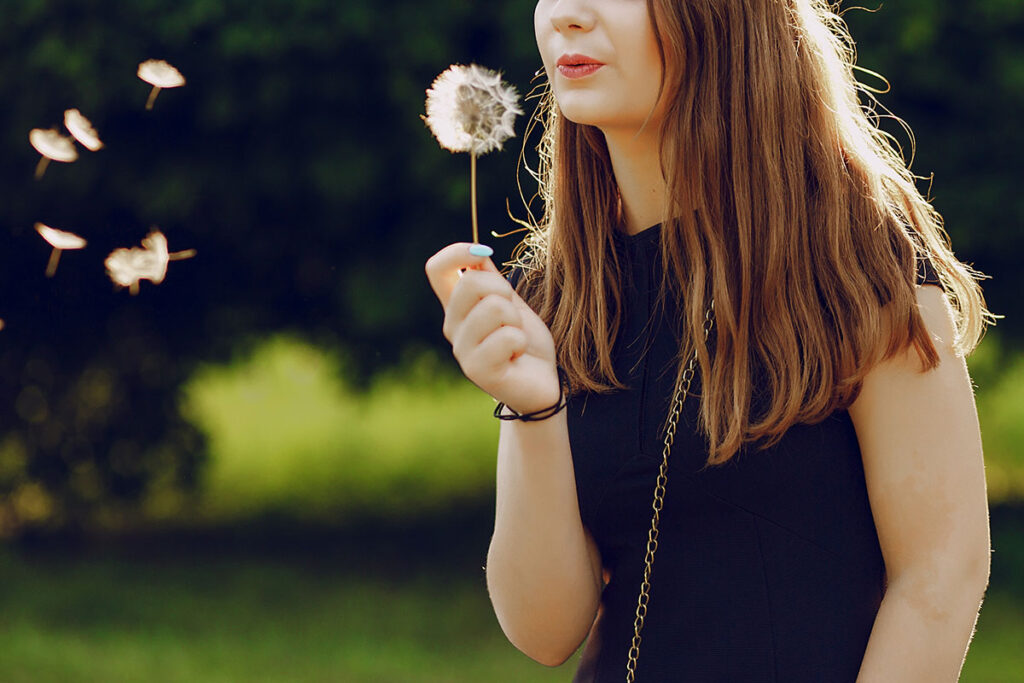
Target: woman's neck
638	174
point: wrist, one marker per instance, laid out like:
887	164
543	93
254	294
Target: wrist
505	412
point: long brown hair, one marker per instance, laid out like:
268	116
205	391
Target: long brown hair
787	205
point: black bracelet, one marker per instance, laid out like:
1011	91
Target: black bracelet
563	401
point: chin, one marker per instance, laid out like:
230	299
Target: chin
586	109
581	118
604	123
583	113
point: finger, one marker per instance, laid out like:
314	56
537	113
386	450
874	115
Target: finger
486	252
474	287
489	313
497	350
444	269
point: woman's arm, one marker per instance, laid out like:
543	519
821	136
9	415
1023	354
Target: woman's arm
921	446
543	569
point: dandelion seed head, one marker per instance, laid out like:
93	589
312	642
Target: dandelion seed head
52	145
82	129
59	239
469	109
161	74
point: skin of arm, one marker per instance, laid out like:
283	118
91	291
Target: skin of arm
921	448
543	570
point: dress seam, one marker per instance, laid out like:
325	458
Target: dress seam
648	337
643	406
768	599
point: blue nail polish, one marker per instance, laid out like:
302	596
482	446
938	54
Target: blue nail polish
480	250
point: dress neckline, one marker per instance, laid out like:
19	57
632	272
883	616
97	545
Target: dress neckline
646	235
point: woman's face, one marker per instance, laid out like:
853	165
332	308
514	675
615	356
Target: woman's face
622	92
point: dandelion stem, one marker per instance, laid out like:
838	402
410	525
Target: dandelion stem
41	167
472	191
152	97
179	255
51	267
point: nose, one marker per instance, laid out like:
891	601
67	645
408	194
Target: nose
567	15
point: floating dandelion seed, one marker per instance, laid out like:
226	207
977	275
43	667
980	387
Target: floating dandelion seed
60	241
159	74
469	109
52	145
127	266
82	129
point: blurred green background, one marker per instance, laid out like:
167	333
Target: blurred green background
269	467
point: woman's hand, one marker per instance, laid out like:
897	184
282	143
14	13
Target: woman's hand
501	345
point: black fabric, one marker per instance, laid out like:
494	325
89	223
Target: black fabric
768	569
926	274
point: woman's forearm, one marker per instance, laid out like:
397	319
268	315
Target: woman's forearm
922	630
541	578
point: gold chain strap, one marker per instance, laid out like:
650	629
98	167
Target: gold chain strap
682	390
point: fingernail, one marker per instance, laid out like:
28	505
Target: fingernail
480	250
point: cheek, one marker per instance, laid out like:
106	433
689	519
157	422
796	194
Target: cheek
649	61
539	33
645	62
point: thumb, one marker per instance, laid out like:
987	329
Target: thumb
485	263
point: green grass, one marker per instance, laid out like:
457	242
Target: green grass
995	654
287	434
219	620
226	620
380	608
999	376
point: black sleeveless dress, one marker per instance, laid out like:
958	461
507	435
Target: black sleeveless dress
768	569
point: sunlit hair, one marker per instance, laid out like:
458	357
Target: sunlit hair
788	205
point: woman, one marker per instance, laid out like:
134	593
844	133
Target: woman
735	268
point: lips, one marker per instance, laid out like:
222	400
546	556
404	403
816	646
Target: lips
577	66
577	60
